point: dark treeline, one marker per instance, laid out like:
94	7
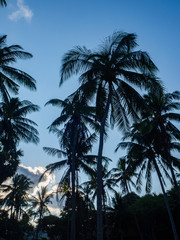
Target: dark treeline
112	80
126	217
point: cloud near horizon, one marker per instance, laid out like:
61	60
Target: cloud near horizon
48	180
34	174
23	12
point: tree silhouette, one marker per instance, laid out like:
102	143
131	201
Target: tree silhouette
14	127
109	74
10	77
3	3
16	198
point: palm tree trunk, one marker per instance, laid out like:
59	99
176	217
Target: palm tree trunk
166	201
68	221
135	218
174	180
99	172
73	178
39	224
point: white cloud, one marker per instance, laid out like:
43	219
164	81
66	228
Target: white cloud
22	12
48	180
55	210
34	174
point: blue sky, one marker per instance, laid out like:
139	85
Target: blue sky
47	29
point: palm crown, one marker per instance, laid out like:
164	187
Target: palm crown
10	77
13	121
111	71
17	195
3	3
108	75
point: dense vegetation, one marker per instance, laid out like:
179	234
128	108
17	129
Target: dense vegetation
112	80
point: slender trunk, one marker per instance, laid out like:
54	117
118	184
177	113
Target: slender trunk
175	181
138	227
68	220
99	172
136	219
11	212
166	201
104	211
73	178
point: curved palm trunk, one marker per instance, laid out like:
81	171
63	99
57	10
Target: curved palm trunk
166	202
99	172
73	178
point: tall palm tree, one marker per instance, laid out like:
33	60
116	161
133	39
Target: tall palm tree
16	198
10	77
141	152
161	114
14	127
3	3
109	73
40	205
74	138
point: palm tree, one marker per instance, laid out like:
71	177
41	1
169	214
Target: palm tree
123	174
13	121
108	185
40	204
141	154
17	196
86	191
109	73
3	3
161	114
14	127
74	138
117	213
10	77
9	161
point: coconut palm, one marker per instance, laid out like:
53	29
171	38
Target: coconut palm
40	205
9	160
16	198
14	127
3	3
108	185
141	153
10	77
40	202
13	121
109	73
159	117
74	137
123	175
86	191
117	212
